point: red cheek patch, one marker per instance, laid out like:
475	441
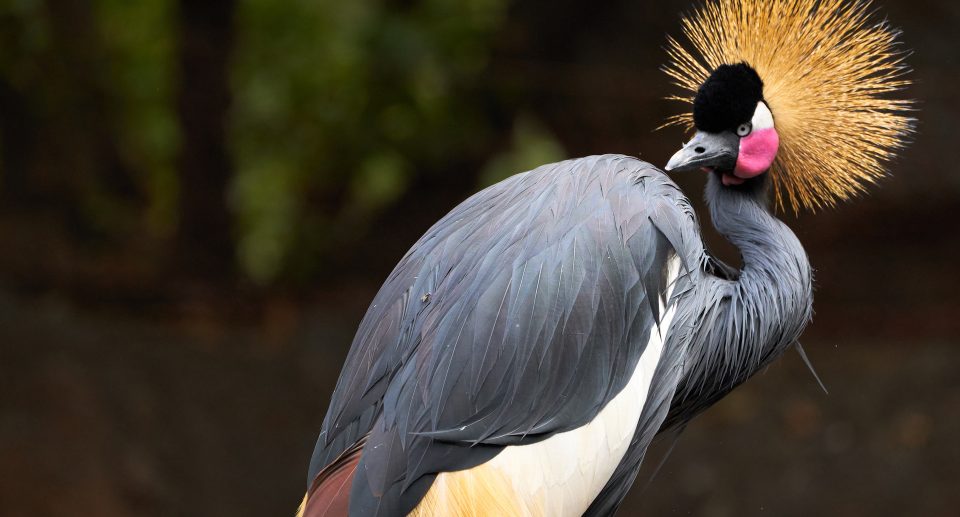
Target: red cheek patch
757	151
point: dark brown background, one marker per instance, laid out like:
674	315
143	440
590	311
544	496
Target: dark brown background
152	364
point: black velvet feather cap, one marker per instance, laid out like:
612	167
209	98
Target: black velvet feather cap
727	98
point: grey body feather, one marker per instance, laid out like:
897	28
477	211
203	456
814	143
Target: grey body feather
525	310
726	327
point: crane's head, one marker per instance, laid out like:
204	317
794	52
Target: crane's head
735	137
797	91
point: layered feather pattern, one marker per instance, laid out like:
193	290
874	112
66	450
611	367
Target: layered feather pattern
519	315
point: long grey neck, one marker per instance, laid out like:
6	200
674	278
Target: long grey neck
733	328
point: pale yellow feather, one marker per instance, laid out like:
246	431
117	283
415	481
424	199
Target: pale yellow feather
482	491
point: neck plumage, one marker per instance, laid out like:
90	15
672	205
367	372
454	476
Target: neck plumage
733	328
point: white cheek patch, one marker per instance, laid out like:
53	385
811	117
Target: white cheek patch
762	118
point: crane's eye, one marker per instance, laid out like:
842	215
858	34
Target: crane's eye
744	129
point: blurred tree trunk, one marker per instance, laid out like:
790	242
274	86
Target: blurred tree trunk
205	247
17	145
60	150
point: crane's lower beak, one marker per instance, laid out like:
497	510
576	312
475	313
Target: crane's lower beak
717	151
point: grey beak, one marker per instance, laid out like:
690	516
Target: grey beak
717	150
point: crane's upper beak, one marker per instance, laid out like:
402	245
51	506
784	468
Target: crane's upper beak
714	150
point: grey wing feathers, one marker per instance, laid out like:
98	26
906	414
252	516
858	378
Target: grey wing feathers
518	315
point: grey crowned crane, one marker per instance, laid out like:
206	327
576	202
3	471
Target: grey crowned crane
523	354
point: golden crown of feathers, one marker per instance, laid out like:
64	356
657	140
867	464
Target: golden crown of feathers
828	73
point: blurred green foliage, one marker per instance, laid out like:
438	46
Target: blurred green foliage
338	111
78	85
139	46
339	105
25	37
531	145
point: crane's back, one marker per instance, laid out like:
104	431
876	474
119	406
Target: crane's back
516	318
